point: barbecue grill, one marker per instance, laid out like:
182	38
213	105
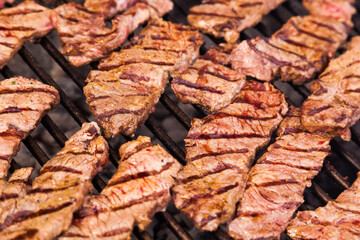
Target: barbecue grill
339	169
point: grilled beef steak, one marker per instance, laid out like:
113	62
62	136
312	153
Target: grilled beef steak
333	106
58	191
208	83
85	37
139	189
108	8
338	220
219	151
24	22
122	97
276	183
23	102
17	186
298	51
227	18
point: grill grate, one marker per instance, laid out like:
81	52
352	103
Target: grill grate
322	189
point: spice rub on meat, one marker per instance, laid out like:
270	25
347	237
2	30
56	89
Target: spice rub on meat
23	102
59	190
227	18
219	151
338	220
207	82
276	183
85	36
334	105
139	189
21	23
126	89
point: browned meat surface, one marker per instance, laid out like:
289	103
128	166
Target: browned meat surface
123	97
23	102
219	54
333	106
17	185
139	189
297	52
227	18
211	85
2	2
85	37
338	220
24	22
339	9
59	190
276	183
219	150
108	8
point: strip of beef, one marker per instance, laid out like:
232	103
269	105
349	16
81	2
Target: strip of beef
219	151
24	22
23	102
297	52
227	18
85	36
333	106
338	220
17	185
108	8
139	189
58	191
276	183
207	83
123	96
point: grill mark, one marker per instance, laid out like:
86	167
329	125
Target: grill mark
17	28
265	161
345	209
324	25
353	90
4	158
59	169
158	49
111	113
139	175
210	218
25	215
9	45
215	154
94	35
277	183
309	150
216	170
215	74
30	90
246	5
298	44
129	62
70	19
6	196
219	191
329	40
21	12
15	110
220	115
138	148
30	233
340	119
183	82
192	12
13	131
353	63
115	232
69	234
315	111
159	37
227	136
352	76
284	50
49	190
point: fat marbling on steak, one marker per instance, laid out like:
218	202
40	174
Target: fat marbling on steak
139	189
126	89
59	190
276	183
23	102
219	151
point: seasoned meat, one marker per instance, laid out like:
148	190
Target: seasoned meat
227	18
85	37
59	190
122	97
276	183
139	189
23	103
333	106
211	85
24	22
297	52
108	8
219	151
338	220
18	184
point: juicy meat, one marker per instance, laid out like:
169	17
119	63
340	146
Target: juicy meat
338	220
333	106
24	22
139	189
59	190
108	8
122	97
276	183
227	18
85	37
17	185
207	83
23	103
297	52
219	151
